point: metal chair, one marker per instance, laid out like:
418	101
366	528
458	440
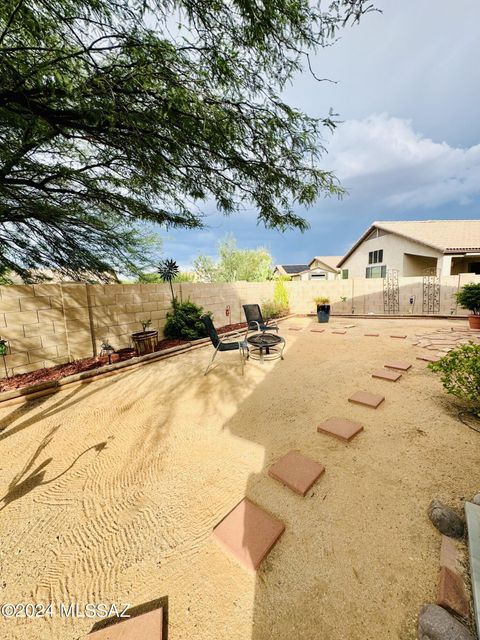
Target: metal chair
229	343
255	321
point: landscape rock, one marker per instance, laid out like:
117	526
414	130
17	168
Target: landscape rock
445	519
476	499
434	623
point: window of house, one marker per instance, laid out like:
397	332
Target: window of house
375	257
313	276
376	272
344	274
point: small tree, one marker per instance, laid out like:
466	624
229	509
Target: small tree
234	264
469	297
168	271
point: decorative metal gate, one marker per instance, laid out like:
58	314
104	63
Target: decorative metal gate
431	291
391	297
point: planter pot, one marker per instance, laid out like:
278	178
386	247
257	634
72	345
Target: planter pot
474	322
144	342
323	312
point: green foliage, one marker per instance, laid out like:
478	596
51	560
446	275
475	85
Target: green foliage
469	297
146	324
272	309
252	265
460	371
280	295
155	278
184	322
321	300
116	112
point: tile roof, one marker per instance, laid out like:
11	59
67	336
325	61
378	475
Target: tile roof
329	261
447	236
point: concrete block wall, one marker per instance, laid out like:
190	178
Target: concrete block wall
49	324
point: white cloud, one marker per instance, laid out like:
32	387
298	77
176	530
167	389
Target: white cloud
384	158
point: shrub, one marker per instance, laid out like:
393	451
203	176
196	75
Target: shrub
321	300
272	309
183	322
469	297
280	296
460	371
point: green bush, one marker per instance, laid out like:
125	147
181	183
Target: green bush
280	295
272	309
469	297
460	371
321	300
183	322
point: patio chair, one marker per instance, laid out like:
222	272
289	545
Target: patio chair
255	321
229	343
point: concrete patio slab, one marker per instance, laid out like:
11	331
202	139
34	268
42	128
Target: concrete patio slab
317	330
383	374
339	331
400	366
340	428
371	335
401	337
295	328
248	533
147	626
367	399
298	472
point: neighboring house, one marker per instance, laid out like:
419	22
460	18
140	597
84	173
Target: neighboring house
319	268
289	269
414	248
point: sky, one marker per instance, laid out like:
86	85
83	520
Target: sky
407	89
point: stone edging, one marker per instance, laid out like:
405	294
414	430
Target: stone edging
84	377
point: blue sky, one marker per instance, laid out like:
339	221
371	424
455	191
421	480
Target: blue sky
407	91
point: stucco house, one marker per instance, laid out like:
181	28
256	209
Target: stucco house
412	247
319	268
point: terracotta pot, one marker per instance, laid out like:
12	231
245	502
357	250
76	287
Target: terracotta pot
474	322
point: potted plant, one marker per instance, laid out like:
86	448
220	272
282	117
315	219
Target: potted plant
469	298
323	308
145	341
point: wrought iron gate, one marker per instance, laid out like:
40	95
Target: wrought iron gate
391	297
431	291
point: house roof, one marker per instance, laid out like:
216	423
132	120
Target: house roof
291	269
446	236
328	261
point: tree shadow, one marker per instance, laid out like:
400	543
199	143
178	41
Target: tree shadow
27	479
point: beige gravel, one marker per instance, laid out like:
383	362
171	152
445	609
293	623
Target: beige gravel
111	490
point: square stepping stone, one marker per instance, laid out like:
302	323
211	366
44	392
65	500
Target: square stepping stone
428	358
400	366
339	331
367	399
384	374
317	330
296	471
294	328
248	533
371	335
340	428
401	337
147	626
349	326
